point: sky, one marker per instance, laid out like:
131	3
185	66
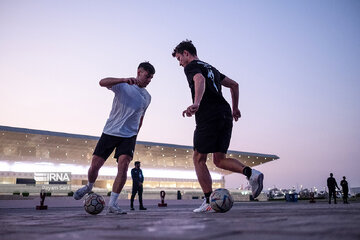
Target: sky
297	64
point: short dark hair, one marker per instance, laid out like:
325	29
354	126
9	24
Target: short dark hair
137	162
147	67
185	45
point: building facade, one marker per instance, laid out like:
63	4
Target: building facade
24	153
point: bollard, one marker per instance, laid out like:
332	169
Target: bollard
42	196
178	195
162	196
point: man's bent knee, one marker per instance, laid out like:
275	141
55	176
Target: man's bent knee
124	160
218	158
97	162
199	157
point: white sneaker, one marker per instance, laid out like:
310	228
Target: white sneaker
115	209
80	193
205	207
256	182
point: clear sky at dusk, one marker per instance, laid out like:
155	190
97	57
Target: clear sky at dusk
297	63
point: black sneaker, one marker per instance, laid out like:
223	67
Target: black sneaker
132	209
142	208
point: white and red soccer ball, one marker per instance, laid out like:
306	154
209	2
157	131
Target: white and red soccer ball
221	200
94	203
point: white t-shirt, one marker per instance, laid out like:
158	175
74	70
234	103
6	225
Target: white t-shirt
129	105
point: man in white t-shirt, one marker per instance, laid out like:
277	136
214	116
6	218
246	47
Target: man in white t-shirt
128	109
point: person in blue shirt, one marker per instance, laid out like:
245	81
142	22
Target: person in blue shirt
138	179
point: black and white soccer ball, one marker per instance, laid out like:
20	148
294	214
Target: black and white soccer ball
94	203
221	200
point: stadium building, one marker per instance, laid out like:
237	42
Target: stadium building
27	155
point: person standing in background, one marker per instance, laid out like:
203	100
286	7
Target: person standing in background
345	189
331	183
138	179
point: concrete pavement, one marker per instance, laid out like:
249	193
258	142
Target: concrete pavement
66	219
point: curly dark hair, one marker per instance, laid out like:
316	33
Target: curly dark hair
147	67
185	45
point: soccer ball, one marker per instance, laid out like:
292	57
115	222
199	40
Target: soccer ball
221	200
94	203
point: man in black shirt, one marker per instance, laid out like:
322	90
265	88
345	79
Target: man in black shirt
138	179
345	189
331	183
214	120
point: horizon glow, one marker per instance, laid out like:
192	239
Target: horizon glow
24	167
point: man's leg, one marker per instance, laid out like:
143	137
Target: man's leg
120	179
202	171
133	193
346	197
255	177
96	163
140	192
229	164
204	179
330	194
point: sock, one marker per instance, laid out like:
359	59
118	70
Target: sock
113	198
207	196
90	185
247	172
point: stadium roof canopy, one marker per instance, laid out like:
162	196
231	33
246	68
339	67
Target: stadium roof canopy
24	145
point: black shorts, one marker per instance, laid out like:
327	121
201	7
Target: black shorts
107	144
213	136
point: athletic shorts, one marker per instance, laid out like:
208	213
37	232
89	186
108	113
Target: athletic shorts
213	136
107	144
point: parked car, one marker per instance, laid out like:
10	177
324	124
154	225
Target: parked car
322	194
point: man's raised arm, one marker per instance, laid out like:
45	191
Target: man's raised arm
109	82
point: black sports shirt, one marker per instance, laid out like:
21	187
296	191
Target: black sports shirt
213	105
137	175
